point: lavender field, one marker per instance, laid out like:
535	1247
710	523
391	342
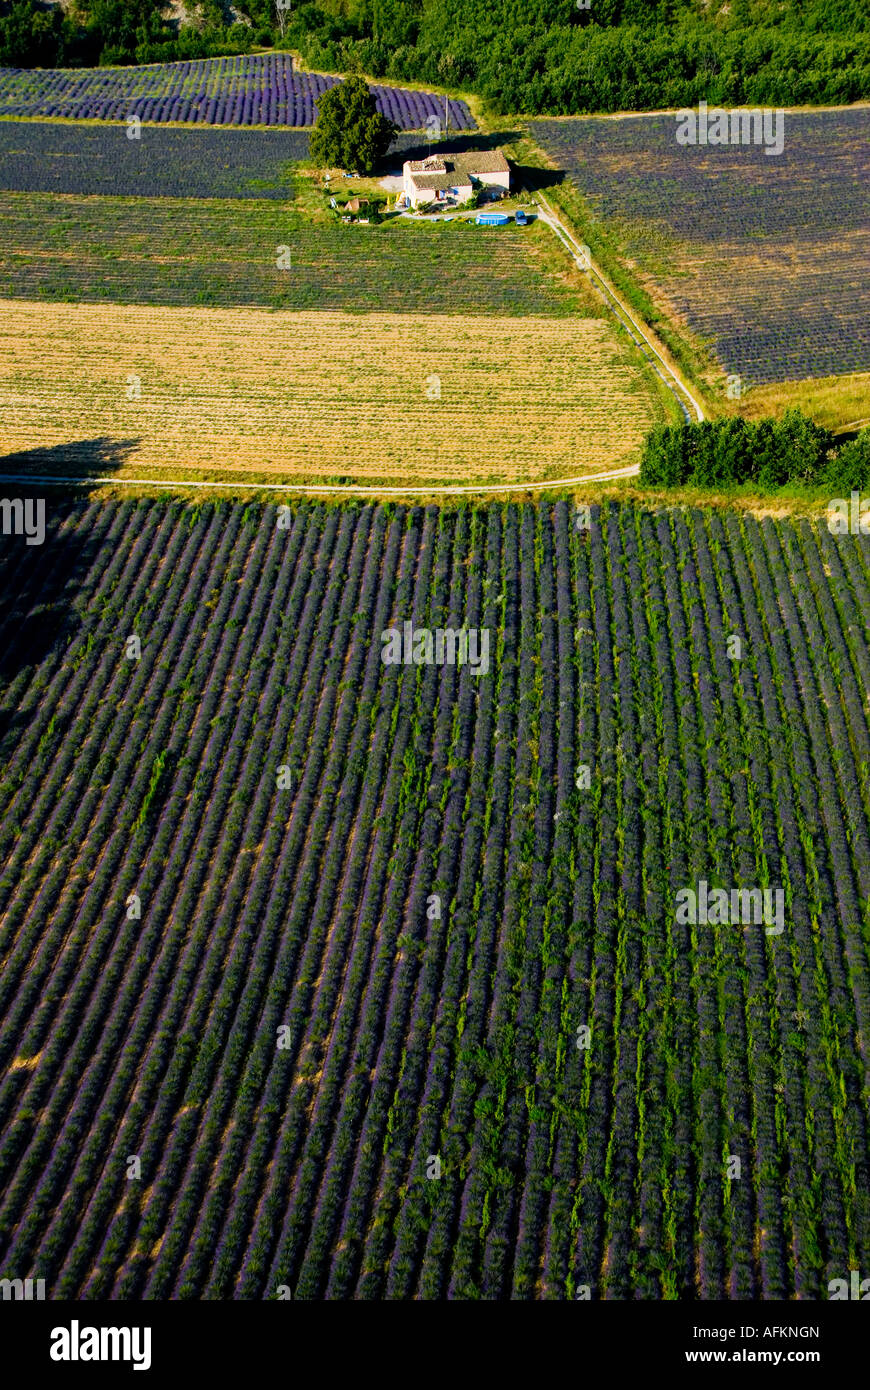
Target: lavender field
206	162
251	89
376	969
764	257
211	251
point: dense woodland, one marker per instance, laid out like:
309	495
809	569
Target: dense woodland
536	56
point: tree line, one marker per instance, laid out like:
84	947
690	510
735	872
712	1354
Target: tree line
770	453
540	57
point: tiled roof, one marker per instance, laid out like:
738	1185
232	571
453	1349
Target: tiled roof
434	164
456	168
440	181
480	162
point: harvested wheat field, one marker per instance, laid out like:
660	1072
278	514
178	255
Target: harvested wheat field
392	399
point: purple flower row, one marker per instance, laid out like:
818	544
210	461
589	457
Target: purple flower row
257	89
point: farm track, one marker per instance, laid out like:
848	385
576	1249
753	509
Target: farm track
433	907
617	306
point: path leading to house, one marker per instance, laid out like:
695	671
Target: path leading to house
667	374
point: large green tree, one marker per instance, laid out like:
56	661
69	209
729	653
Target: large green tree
30	37
350	132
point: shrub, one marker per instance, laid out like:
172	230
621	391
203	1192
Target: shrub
719	453
805	446
850	468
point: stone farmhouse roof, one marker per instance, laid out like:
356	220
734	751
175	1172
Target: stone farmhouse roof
437	170
444	180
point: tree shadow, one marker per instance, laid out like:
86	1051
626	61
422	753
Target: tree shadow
63	460
44	556
528	178
413	145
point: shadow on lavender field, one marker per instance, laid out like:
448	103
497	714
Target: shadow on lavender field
40	581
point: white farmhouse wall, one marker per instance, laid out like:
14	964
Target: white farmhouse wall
496	180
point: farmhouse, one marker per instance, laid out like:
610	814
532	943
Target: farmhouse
452	178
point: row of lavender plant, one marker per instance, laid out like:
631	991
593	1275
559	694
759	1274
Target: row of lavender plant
252	1040
338	1025
326	836
72	1089
427	1274
302	910
840	909
398	906
201	961
36	587
250	89
808	882
315	604
419	1070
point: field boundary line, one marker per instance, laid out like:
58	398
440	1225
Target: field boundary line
618	308
852	425
349	490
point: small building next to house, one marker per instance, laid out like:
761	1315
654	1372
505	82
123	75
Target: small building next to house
452	178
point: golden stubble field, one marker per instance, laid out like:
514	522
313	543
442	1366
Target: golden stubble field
324	397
